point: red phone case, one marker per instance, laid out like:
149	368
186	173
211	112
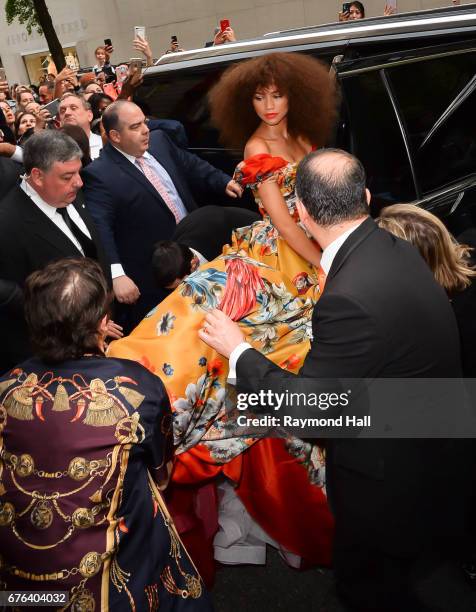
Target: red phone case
224	24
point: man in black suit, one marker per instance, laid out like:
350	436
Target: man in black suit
137	191
42	219
381	315
9	174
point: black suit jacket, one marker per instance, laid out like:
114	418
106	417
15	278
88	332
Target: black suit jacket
381	315
29	240
130	214
9	174
208	228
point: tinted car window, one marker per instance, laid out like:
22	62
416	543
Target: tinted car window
424	92
376	139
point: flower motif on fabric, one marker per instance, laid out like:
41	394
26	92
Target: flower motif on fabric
205	287
215	367
302	282
167	369
202	362
166	324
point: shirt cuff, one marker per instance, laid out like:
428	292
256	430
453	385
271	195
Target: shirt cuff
234	356
117	270
18	155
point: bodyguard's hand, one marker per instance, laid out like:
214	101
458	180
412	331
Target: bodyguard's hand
221	333
7	149
233	189
125	290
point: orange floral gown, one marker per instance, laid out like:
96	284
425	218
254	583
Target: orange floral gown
261	240
280	481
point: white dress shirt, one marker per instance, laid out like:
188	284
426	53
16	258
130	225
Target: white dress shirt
117	269
52	213
95	145
328	256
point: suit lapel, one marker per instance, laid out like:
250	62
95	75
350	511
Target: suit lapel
133	172
353	241
44	227
80	206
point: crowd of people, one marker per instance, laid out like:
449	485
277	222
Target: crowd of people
132	316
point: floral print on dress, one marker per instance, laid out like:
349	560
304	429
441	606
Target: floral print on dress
166	324
261	240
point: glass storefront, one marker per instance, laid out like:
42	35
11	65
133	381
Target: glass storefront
40	63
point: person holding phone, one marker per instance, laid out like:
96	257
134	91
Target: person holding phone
142	45
225	34
352	11
356	10
174	46
103	57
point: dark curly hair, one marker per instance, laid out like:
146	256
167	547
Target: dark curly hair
304	80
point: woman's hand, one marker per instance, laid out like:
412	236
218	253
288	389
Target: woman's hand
140	44
389	10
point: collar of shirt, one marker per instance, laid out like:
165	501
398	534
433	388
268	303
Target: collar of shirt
131	158
329	253
95	145
49	210
201	258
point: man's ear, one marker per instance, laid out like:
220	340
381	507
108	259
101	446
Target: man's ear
37	177
102	327
90	115
302	212
114	137
368	195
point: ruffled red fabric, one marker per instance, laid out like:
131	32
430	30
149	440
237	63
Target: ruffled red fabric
274	489
259	167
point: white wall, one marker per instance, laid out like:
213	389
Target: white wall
85	23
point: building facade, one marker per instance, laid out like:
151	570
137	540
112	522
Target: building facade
82	25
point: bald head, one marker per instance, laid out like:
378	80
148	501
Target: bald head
331	185
125	127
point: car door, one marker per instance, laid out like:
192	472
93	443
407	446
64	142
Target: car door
408	119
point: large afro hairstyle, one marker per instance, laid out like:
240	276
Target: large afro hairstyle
306	81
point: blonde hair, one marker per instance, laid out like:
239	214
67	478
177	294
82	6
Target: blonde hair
448	260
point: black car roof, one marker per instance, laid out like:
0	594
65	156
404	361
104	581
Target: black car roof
422	24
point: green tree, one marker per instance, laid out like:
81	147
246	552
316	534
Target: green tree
35	15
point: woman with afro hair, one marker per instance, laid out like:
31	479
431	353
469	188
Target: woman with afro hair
270	489
278	108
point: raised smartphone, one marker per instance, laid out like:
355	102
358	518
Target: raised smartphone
139	31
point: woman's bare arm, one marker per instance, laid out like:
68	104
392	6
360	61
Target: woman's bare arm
274	204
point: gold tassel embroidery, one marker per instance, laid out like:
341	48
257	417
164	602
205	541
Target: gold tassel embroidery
5	384
96	497
61	401
102	410
19	404
132	396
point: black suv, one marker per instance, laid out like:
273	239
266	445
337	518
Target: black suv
408	88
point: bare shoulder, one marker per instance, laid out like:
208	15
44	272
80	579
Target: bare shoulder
256	146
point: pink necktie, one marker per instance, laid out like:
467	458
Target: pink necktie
159	186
